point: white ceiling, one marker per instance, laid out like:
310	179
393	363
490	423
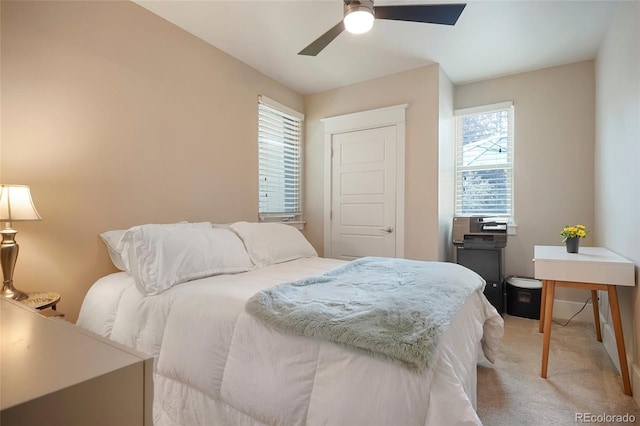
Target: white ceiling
491	38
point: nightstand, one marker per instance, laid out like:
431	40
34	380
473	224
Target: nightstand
42	302
85	380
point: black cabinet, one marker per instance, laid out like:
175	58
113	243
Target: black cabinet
487	262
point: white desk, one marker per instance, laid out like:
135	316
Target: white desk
594	268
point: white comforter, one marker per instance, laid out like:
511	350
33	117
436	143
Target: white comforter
215	364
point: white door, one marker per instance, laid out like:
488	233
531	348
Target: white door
363	193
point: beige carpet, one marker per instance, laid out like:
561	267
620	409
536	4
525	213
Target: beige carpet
580	379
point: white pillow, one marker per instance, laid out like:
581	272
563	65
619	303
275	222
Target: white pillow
161	256
269	243
115	247
119	250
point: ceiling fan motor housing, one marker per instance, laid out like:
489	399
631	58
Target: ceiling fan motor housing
358	5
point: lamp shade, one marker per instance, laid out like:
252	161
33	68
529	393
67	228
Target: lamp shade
16	204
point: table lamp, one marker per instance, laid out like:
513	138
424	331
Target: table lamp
15	206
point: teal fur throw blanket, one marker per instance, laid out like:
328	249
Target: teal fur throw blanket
390	308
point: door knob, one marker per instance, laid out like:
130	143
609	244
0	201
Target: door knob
388	229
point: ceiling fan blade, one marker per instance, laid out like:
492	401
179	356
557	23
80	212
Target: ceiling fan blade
446	14
323	41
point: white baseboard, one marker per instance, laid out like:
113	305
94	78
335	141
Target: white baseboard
609	342
565	309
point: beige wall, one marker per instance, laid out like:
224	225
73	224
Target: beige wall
617	178
446	167
418	88
554	156
1	93
116	117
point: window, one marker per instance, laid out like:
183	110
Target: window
484	161
279	161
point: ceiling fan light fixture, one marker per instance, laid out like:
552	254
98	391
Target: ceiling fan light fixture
358	17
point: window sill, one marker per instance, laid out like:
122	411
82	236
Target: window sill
299	224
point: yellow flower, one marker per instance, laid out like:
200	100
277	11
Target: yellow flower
579	231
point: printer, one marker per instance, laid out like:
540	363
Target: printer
480	232
479	243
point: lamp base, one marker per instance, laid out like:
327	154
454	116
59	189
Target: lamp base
8	256
10	292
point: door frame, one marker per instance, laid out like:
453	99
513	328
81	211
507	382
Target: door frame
371	119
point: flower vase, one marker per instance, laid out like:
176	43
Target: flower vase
573	244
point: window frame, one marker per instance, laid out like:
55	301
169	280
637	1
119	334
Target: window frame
273	109
508	166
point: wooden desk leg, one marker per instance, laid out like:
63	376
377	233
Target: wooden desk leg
596	314
617	328
550	287
542	303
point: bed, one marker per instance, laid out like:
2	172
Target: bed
215	363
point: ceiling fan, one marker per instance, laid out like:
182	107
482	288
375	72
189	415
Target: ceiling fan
359	17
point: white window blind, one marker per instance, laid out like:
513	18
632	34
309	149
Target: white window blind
484	161
279	161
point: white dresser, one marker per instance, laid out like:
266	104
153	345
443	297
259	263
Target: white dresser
56	373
